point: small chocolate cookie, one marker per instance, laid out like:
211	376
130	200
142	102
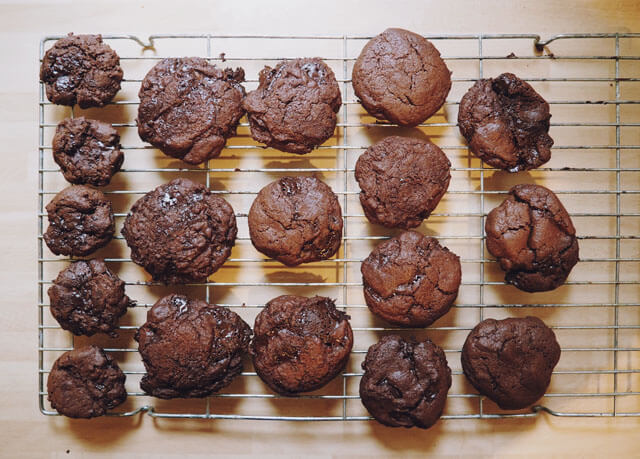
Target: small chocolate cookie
87	151
81	69
506	123
85	383
511	360
80	221
300	344
188	107
405	383
87	298
402	181
400	76
296	220
190	348
533	238
294	108
180	232
411	280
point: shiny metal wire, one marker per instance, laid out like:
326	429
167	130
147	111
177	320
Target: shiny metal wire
342	168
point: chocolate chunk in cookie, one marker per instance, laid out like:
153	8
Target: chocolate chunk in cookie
294	108
87	151
511	360
296	220
81	69
80	221
405	383
506	123
533	238
400	77
402	181
190	348
189	108
180	232
85	383
300	343
411	280
87	298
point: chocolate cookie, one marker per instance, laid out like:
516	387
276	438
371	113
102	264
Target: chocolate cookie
81	69
506	123
411	280
402	181
85	383
296	220
300	343
190	348
294	108
80	221
87	298
399	76
533	238
180	232
405	383
511	360
188	107
87	151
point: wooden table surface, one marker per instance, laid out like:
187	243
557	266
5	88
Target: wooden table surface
24	432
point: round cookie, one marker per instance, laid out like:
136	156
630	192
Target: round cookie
411	280
80	221
506	123
188	108
87	151
533	238
511	360
300	343
294	107
87	298
180	232
81	69
401	180
399	76
405	383
85	383
190	348
296	220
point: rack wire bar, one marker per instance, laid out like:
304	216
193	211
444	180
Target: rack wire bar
592	83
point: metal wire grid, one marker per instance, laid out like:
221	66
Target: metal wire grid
344	170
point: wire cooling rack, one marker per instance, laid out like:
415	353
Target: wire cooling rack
592	84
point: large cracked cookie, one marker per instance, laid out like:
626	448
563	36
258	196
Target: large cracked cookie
399	76
506	123
533	238
188	107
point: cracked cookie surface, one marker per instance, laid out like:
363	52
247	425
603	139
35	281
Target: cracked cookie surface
401	180
300	343
399	76
411	280
188	107
405	383
296	220
294	107
80	221
85	382
190	348
87	298
533	238
506	123
510	360
180	232
87	151
81	69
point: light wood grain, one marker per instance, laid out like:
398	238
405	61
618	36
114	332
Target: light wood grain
25	432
